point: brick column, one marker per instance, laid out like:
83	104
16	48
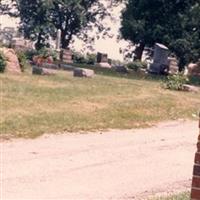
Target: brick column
195	193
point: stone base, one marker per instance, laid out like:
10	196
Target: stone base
42	71
78	72
158	68
191	88
104	65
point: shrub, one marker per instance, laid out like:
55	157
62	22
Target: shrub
44	52
136	65
22	60
2	63
79	58
91	59
176	82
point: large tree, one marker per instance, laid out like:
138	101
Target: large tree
145	22
42	18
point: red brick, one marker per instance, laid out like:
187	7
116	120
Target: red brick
195	194
196	170
196	182
197	158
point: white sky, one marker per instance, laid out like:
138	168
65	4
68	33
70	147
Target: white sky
108	45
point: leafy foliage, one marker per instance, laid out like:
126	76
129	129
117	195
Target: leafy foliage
176	82
2	63
84	59
43	52
136	65
22	60
41	19
173	23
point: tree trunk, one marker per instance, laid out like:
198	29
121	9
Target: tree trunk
38	44
139	51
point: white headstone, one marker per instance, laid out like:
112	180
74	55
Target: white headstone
58	39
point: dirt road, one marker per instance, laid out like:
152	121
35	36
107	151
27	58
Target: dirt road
130	164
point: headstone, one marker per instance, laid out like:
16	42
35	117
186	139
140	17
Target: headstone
160	59
173	66
102	58
194	69
78	72
12	62
58	39
104	65
42	71
191	88
66	56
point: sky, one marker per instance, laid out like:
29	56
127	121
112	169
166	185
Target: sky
109	45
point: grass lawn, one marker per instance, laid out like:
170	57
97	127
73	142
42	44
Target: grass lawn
182	196
33	105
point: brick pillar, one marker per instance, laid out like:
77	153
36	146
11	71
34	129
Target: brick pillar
195	193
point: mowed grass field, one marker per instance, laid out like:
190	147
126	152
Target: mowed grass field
33	105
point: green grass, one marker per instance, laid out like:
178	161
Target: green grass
182	196
33	105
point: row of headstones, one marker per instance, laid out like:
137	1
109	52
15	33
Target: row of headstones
77	72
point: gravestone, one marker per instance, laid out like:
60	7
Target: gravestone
66	56
88	73
12	62
58	39
42	71
102	58
173	66
194	69
160	59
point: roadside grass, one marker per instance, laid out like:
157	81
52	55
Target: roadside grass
33	105
182	196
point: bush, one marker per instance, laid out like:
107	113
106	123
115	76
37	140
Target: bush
2	63
137	65
30	54
45	53
176	82
90	59
80	58
22	60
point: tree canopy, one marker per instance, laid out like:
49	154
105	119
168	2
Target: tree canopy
42	18
173	23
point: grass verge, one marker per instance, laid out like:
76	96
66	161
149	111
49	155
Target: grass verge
182	196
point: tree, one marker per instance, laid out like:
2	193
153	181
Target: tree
42	18
145	22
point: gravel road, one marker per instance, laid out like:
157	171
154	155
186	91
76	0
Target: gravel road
128	164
